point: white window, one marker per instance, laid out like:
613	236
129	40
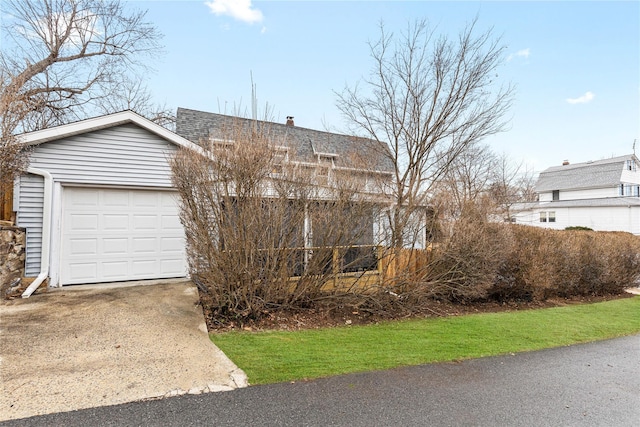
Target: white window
627	189
548	216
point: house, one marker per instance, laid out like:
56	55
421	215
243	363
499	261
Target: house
330	160
603	195
98	203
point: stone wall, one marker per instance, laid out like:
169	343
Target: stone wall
12	256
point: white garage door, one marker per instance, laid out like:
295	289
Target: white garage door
114	234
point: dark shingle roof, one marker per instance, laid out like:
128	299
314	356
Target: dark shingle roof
600	173
307	144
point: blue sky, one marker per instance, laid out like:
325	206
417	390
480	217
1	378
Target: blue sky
576	65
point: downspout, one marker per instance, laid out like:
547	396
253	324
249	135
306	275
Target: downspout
46	231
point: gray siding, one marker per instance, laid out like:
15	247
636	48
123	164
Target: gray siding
121	155
31	202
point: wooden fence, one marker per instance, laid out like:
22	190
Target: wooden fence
403	264
370	266
6	204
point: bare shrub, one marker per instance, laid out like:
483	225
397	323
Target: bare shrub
466	264
527	267
262	234
551	263
608	263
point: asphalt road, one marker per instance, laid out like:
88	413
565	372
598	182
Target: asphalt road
594	384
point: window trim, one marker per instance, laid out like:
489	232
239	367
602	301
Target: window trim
547	216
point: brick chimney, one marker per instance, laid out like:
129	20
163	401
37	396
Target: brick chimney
565	162
290	121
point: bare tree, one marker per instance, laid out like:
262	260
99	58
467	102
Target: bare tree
13	158
61	58
67	54
527	185
512	183
467	179
133	94
428	97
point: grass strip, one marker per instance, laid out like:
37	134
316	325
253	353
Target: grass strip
269	357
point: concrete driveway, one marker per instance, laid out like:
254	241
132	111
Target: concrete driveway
82	347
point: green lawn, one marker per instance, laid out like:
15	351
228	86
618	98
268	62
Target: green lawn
269	357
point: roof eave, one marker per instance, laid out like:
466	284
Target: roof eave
103	122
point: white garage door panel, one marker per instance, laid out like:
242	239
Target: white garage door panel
114	234
84	222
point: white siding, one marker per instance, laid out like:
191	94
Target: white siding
630	177
545	197
122	155
593	193
612	218
31	202
604	218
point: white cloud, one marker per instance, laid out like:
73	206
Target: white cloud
524	53
587	97
237	9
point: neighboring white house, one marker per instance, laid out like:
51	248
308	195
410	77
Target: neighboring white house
603	195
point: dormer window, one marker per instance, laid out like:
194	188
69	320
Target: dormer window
217	143
280	157
630	165
325	160
325	165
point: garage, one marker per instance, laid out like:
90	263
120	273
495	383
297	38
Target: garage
120	234
98	203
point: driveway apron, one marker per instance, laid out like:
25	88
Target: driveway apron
85	347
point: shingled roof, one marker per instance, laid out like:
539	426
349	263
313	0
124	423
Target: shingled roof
599	173
307	144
